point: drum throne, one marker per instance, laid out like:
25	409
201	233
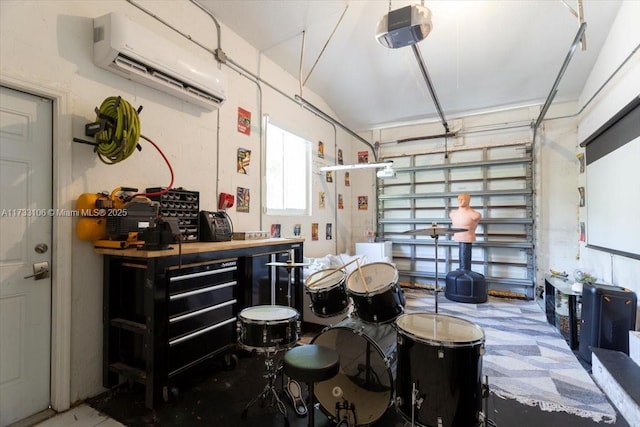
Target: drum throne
464	285
311	363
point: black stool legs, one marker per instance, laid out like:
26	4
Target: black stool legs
311	363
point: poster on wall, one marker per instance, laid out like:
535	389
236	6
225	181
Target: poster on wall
314	231
321	149
363	203
340	159
297	230
244	121
347	179
321	200
329	231
244	160
242	198
340	202
329	176
275	230
363	157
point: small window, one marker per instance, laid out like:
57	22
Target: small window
287	172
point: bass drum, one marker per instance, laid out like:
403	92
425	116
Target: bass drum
439	370
364	388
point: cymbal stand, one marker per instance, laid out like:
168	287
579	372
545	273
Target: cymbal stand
434	236
416	403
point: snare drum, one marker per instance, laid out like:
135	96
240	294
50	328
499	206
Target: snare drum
440	357
268	328
379	299
328	292
363	389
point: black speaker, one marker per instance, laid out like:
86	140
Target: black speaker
608	314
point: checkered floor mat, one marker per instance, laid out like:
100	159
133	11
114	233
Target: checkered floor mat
525	358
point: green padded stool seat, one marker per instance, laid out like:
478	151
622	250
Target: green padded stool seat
310	364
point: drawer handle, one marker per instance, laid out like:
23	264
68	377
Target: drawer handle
200	332
202	274
201	311
202	290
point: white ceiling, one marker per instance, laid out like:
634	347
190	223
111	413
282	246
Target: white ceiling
481	55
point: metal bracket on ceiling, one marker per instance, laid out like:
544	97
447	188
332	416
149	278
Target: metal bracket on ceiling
304	82
580	15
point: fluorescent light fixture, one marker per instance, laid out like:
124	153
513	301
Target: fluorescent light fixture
356	166
386	172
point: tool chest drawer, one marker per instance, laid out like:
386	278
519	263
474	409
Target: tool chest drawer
192	289
202	307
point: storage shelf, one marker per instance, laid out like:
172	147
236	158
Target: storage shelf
129	325
128	371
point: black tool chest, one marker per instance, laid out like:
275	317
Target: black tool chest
165	312
202	307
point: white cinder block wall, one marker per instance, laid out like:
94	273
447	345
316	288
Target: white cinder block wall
49	44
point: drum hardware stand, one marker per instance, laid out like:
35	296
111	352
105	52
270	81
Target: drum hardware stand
271	374
416	403
289	265
486	421
347	408
434	232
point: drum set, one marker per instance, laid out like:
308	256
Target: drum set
428	364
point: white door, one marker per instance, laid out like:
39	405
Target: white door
25	239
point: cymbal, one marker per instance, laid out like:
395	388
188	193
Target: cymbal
288	264
435	231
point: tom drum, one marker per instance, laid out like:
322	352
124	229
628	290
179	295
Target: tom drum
439	370
328	293
376	294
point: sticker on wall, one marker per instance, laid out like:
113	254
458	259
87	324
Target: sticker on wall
314	231
363	157
321	149
580	157
582	232
340	202
363	203
242	199
581	194
275	230
244	160
347	179
244	121
321	200
329	231
297	230
340	159
329	176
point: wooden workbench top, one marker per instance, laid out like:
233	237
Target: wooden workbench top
197	247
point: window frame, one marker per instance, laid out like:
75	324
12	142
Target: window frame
306	211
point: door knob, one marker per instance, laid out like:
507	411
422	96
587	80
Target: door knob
40	271
41	248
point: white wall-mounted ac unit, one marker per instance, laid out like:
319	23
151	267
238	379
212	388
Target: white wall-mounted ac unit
134	52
